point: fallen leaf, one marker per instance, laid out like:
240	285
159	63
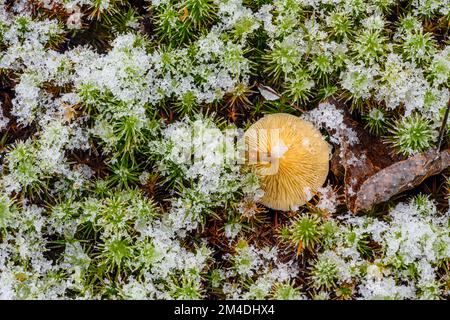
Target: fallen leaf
69	112
336	164
299	248
399	177
185	14
360	160
374	173
268	93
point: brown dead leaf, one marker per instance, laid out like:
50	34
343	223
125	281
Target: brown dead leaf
374	173
185	14
299	248
399	177
362	159
69	112
336	164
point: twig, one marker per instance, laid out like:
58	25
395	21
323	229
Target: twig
442	130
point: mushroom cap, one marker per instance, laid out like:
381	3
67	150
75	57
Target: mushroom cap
291	159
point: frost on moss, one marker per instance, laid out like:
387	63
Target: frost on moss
120	174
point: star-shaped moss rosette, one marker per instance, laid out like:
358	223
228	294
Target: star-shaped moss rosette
291	158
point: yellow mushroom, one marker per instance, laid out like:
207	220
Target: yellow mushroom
291	158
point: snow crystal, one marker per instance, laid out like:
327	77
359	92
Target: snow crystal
326	115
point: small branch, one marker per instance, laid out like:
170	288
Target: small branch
442	130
